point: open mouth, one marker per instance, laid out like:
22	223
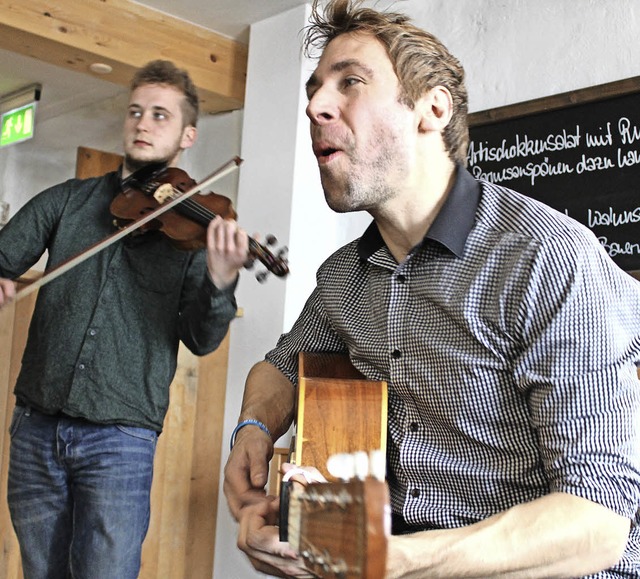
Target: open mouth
325	154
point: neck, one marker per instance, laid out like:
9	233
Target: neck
405	220
130	166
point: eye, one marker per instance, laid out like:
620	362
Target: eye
135	113
160	115
351	81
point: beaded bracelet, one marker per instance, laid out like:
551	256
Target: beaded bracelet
244	423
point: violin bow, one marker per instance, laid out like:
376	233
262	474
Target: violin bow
65	266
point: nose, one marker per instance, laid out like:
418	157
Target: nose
322	107
142	122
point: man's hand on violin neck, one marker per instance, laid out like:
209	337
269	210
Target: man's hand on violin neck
227	251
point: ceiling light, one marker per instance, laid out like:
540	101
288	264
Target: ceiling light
100	68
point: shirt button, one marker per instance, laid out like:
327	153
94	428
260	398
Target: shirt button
414	427
396	354
401	278
81	366
415	493
92	332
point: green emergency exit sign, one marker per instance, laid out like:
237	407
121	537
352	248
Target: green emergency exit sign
17	125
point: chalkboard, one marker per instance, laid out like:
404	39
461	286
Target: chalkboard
578	152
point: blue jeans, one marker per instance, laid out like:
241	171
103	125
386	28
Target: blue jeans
78	496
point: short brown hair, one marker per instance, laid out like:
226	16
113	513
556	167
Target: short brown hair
165	72
419	59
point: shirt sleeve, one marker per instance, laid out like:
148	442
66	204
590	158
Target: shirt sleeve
581	343
24	239
206	311
312	332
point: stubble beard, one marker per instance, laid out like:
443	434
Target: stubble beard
133	164
363	188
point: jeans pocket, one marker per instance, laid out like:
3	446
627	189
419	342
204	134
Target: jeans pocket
16	418
139	432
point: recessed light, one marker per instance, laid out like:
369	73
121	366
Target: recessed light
100	68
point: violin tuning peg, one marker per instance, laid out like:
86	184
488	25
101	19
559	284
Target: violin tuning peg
283	252
270	239
249	263
261	276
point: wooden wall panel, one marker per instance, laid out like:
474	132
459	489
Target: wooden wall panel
14	326
184	497
93	163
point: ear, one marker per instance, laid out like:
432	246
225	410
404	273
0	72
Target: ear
435	109
189	135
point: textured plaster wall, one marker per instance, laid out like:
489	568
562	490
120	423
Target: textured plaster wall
516	50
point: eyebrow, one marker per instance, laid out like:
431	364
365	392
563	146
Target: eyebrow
338	67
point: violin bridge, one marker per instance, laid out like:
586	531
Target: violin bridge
163	193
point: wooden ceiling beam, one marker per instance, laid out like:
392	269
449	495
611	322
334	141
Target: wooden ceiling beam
74	34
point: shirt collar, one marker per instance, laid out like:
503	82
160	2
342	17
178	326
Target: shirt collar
452	224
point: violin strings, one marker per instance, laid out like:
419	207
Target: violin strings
196	207
206	213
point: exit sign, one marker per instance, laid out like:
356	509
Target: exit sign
17	125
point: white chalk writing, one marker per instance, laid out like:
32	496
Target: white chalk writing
612	218
614	249
531	171
582	149
628	133
601	140
523	146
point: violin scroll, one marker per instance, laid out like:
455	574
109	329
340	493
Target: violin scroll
275	263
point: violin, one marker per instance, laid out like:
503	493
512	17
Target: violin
153	210
149	188
186	224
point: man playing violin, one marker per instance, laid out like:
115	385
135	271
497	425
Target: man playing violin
507	336
101	353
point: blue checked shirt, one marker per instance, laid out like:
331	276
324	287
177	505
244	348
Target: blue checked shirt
509	341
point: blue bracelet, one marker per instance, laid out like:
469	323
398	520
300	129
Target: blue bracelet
244	423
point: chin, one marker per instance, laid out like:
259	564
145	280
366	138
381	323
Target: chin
337	203
135	162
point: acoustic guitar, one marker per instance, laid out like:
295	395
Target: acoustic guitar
339	528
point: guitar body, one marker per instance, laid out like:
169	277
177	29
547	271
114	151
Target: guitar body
340	529
339	410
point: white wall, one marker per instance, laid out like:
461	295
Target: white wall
270	145
517	50
512	50
50	157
